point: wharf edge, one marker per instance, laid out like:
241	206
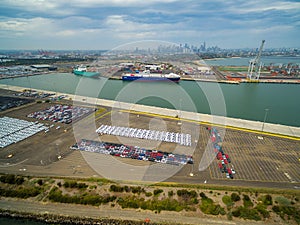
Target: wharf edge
285	131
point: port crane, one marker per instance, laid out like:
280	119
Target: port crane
255	65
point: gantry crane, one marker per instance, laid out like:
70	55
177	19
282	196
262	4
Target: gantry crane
255	65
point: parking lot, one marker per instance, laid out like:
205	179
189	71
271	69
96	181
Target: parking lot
271	159
178	138
61	113
13	130
11	102
267	159
132	152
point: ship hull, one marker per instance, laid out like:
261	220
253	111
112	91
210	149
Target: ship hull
85	74
140	78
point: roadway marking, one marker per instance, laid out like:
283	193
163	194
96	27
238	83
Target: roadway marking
9	165
213	124
96	114
105	114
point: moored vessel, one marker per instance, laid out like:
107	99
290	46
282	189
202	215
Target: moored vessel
147	76
82	71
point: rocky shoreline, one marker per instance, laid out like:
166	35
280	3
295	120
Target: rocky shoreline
61	219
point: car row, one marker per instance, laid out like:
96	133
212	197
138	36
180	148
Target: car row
13	130
179	138
224	159
61	113
133	152
34	94
11	102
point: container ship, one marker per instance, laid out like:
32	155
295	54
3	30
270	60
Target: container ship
82	71
147	76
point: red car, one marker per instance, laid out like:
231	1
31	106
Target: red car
229	170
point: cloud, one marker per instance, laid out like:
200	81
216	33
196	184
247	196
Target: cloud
20	26
80	22
262	6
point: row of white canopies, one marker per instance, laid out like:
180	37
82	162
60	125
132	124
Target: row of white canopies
13	130
179	138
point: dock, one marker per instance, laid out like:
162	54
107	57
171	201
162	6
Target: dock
205	119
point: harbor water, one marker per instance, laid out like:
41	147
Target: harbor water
277	103
250	101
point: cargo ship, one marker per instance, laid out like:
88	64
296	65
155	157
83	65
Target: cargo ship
147	76
82	71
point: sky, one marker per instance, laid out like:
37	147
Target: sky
106	24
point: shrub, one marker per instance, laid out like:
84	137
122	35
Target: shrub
9	179
263	210
246	213
208	207
56	195
127	189
194	201
187	194
116	188
137	190
12	179
282	201
93	187
229	215
74	184
227	201
82	185
152	204
291	211
170	193
19	180
247	201
266	199
40	182
235	197
148	194
20	192
156	192
202	195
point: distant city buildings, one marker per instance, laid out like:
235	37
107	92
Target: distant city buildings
202	49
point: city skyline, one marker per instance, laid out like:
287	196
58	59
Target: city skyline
101	24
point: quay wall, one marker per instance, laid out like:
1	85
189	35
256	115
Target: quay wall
184	115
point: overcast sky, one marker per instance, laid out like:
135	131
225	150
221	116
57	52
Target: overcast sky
105	24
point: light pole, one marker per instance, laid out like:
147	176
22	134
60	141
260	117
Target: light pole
179	116
266	114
